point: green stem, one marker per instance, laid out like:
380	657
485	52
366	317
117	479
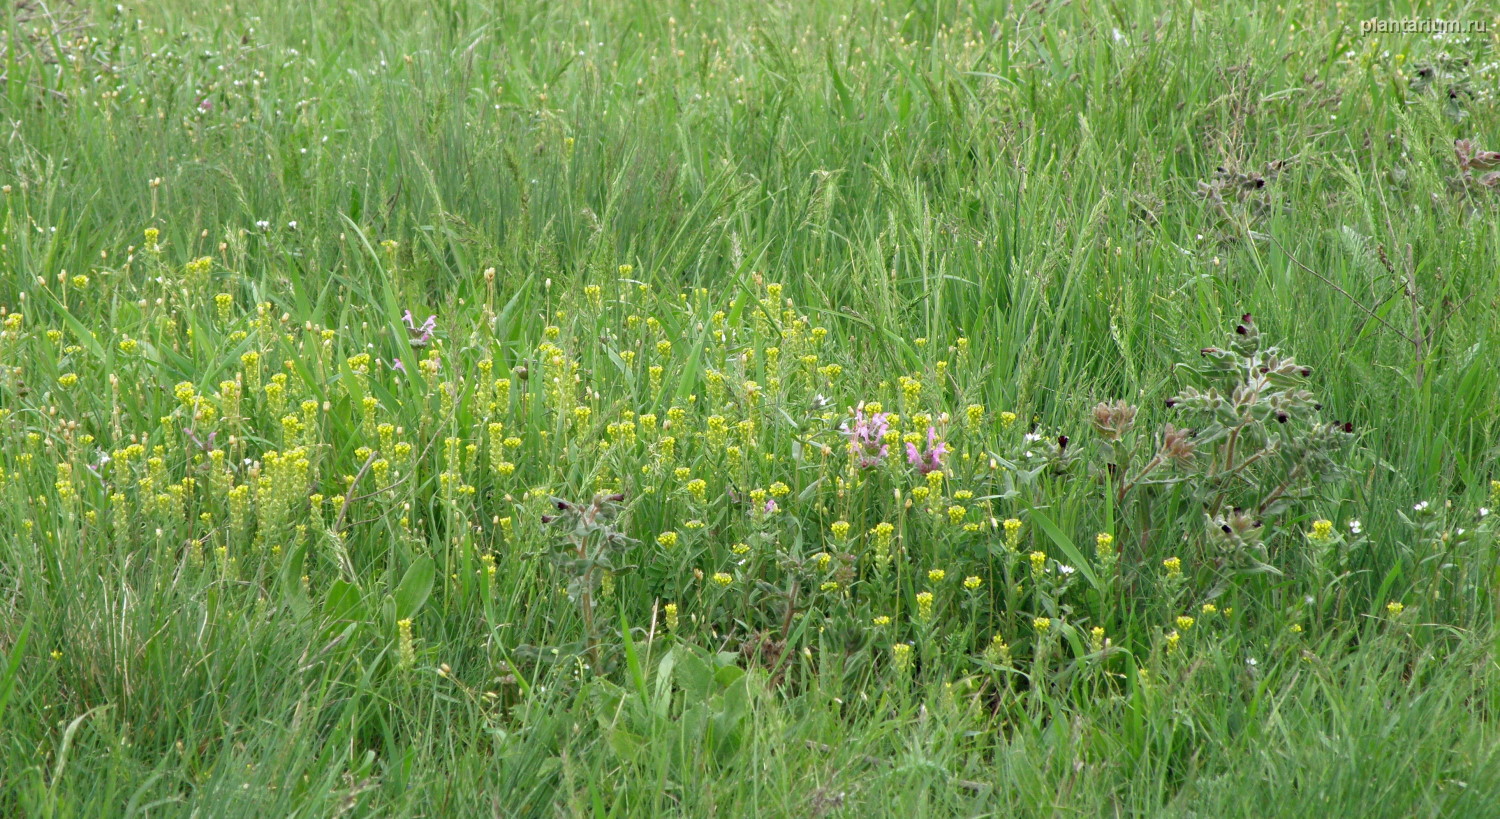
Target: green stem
1125	487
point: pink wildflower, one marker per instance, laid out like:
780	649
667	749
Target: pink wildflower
867	438
929	459
419	335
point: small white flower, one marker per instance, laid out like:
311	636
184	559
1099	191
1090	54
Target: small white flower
1483	512
292	224
1063	568
1421	507
1356	527
263	224
1251	661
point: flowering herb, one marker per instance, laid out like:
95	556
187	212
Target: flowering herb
1257	446
419	335
867	438
930	458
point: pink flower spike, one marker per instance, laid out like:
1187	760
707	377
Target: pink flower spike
866	438
930	460
419	336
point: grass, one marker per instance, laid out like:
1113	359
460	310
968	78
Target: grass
599	545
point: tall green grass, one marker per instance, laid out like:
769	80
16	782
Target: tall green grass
1027	178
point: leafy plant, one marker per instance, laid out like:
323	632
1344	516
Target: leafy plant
1256	448
693	708
591	537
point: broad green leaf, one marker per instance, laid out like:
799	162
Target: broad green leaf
415	587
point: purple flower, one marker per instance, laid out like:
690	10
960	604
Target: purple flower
398	366
867	438
419	336
203	445
770	505
929	459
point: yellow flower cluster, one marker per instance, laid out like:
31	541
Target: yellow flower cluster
1322	531
924	606
1012	534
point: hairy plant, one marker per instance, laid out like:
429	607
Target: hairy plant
1255	448
590	539
1472	159
1449	78
1235	196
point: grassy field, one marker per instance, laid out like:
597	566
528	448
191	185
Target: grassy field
836	408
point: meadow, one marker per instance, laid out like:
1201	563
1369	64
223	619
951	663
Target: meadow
837	408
